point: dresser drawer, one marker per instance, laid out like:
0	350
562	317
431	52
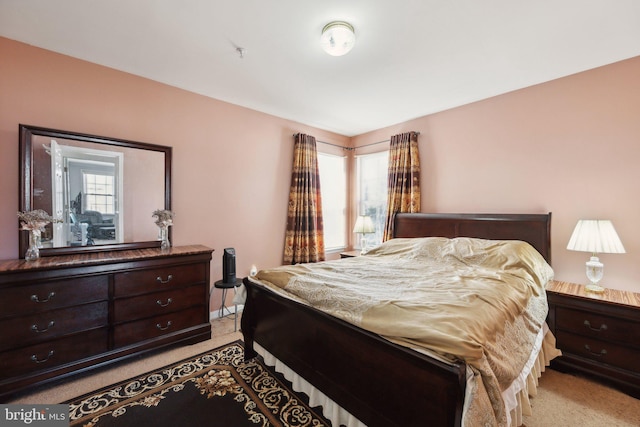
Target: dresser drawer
22	299
31	329
599	351
52	353
158	303
157	279
598	326
134	332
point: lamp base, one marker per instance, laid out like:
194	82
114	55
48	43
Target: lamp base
595	270
594	287
363	245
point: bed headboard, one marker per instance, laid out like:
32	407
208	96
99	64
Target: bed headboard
532	228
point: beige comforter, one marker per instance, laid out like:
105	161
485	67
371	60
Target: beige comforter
479	301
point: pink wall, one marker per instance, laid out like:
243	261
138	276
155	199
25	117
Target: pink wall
231	165
570	147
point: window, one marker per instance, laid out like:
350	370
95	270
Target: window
333	185
99	193
371	181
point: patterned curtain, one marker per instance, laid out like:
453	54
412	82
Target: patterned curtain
304	238
403	184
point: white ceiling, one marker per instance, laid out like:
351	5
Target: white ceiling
411	58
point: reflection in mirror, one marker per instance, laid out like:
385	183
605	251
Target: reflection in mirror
103	189
86	188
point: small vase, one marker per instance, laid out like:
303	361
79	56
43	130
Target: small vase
33	252
164	236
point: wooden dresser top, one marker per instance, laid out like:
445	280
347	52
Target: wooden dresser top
613	296
94	258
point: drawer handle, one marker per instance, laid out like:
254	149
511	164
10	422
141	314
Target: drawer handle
35	327
602	327
169	301
163	328
35	358
602	352
35	298
169	278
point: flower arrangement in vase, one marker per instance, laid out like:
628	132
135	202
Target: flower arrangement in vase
34	222
164	219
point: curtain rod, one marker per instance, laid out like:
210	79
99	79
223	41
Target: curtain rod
354	148
336	145
379	142
373	143
329	143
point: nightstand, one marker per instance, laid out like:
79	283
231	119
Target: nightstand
599	334
350	254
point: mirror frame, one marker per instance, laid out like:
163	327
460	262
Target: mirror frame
26	185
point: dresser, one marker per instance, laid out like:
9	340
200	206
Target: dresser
65	314
599	334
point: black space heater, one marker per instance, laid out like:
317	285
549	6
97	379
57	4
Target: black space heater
229	265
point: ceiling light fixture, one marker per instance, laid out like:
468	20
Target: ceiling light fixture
338	37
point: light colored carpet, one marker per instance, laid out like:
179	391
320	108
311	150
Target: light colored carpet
563	400
566	400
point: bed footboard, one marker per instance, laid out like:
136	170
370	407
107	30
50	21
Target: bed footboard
380	383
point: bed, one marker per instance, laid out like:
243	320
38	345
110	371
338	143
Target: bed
379	381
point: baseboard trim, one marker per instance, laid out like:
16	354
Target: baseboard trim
215	314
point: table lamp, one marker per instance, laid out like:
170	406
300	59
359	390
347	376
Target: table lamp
364	226
595	236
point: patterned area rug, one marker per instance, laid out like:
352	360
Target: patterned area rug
216	388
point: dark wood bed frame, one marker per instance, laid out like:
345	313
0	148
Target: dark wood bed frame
378	382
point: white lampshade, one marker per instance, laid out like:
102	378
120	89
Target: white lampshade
337	38
596	236
364	225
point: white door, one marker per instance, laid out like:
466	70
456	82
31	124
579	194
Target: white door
57	191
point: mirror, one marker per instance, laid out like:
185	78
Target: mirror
103	190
